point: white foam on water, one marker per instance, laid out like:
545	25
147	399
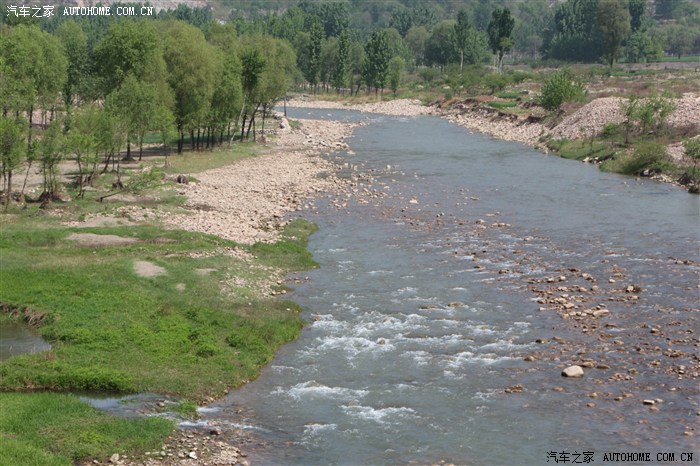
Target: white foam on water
351	345
506	345
193	424
312	432
241	426
208	409
380	415
380	272
404	290
312	389
334	250
421	358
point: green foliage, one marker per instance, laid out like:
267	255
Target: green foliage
50	429
691	148
12	149
614	23
500	30
648	114
396	66
610	130
646	155
559	88
502	104
186	409
377	56
574	34
495	82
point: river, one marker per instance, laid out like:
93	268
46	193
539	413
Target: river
425	307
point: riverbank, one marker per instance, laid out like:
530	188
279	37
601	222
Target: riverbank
125	288
591	133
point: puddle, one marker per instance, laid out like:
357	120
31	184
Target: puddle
17	338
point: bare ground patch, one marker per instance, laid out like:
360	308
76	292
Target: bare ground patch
148	269
94	240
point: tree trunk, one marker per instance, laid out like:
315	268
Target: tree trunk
29	134
128	149
243	126
461	60
180	142
192	139
140	149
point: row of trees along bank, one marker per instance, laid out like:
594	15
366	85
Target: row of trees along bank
108	81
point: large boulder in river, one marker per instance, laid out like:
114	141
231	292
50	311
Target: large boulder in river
572	371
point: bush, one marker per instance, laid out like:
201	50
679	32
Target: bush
495	82
561	87
610	130
648	155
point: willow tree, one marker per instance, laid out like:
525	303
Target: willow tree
192	66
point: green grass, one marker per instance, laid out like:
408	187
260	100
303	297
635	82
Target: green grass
50	429
579	149
113	330
184	333
195	162
502	104
508	94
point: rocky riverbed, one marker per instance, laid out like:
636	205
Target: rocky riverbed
246	201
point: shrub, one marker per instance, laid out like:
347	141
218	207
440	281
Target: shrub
495	82
561	87
610	130
692	150
647	155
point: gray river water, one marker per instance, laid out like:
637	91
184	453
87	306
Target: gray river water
392	369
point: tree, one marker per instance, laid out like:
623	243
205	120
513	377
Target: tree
130	47
313	66
36	68
462	28
50	152
252	66
401	20
377	56
614	23
416	40
573	33
340	72
396	66
12	150
192	66
441	47
637	10
74	41
136	104
499	30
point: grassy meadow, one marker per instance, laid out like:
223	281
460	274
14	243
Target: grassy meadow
204	326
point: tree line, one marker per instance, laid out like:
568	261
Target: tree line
64	93
107	82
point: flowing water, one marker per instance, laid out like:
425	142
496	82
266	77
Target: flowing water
423	309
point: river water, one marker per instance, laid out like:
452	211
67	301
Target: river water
424	308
